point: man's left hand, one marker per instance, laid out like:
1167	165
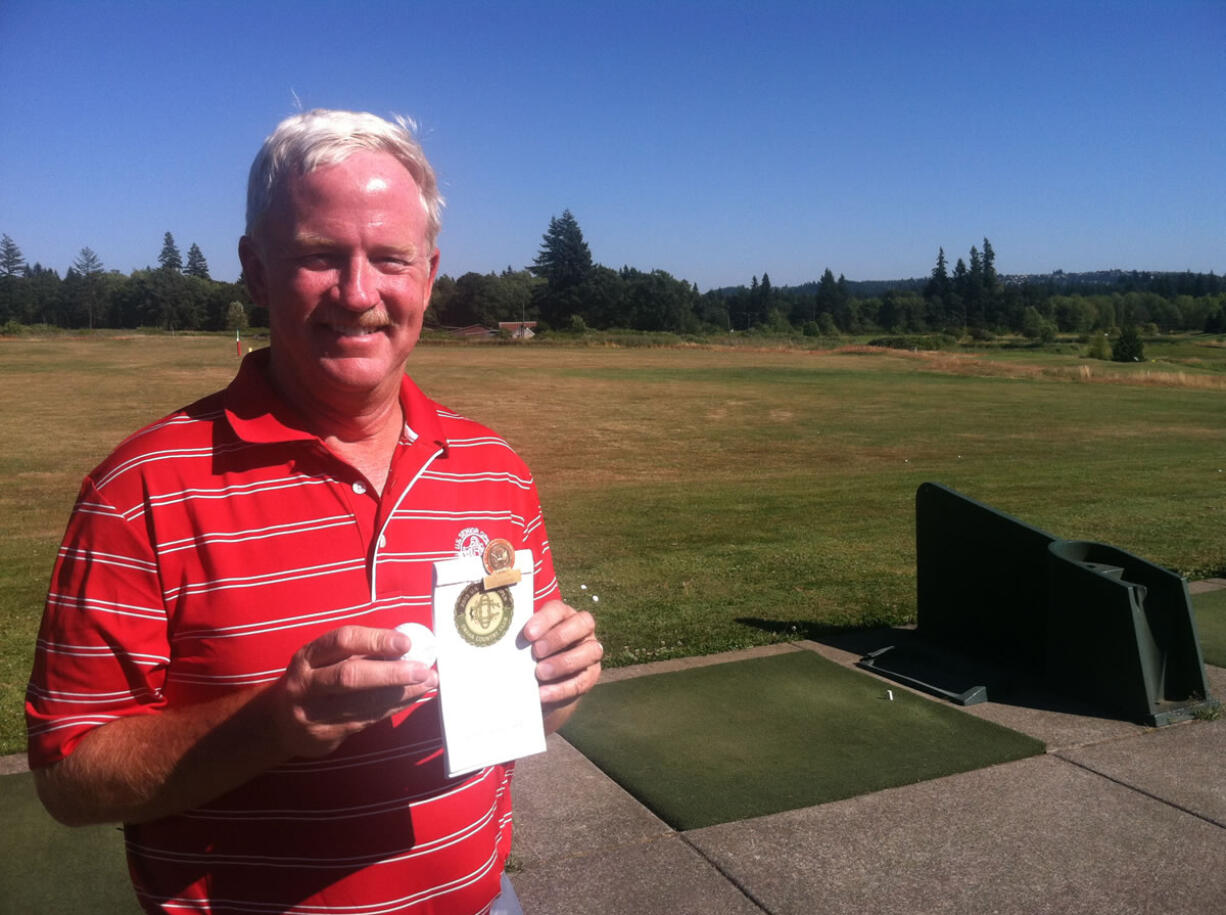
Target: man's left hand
567	658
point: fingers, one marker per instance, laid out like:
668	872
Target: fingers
567	651
355	674
572	659
344	681
358	658
576	679
355	641
557	626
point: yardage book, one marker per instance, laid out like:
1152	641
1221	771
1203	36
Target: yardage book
488	692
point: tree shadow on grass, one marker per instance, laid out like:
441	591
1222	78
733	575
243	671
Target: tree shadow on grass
856	640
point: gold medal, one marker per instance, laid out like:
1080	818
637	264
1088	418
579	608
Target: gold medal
483	617
499	554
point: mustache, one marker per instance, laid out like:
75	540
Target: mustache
367	320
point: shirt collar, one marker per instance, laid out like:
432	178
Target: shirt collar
258	415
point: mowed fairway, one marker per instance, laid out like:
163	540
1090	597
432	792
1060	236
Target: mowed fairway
711	498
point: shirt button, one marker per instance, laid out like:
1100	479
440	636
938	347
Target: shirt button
359	487
382	541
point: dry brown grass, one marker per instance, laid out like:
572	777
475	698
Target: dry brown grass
983	366
1149	378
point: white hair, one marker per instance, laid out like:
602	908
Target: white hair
307	141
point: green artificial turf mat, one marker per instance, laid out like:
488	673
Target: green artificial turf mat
742	739
46	867
1210	609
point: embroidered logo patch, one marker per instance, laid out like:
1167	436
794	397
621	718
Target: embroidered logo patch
471	541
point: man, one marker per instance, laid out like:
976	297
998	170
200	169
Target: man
218	667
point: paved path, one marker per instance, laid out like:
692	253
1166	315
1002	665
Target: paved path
1116	818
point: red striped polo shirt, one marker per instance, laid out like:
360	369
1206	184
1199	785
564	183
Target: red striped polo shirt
206	550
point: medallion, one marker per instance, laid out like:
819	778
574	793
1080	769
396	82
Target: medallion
499	554
483	617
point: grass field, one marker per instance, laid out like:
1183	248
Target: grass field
712	498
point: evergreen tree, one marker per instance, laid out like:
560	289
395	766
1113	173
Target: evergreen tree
976	266
960	282
846	311
11	259
1128	346
170	259
938	284
87	263
11	266
937	293
763	301
89	266
196	264
745	305
991	281
827	293
564	260
973	297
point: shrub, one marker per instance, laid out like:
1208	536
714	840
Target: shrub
236	316
1099	347
914	341
1128	346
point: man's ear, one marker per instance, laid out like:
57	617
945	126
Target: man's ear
254	271
433	275
434	266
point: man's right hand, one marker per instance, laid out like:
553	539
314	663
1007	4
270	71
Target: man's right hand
142	767
343	682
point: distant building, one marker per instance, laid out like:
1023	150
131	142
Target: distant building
471	331
519	330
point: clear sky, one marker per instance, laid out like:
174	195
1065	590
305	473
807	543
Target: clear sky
715	140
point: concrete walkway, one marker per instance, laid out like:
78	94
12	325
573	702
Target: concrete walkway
1115	818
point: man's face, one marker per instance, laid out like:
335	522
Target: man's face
343	266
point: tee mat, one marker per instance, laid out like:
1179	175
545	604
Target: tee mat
748	738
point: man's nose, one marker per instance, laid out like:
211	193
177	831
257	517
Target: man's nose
358	285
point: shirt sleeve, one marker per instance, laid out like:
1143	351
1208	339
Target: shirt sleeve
545	580
103	645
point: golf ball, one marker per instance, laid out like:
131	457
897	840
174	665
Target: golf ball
424	648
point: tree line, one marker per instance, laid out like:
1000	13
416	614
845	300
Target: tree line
175	295
565	289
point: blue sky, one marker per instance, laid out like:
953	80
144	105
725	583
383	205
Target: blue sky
715	140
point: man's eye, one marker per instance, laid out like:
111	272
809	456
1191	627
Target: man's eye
316	261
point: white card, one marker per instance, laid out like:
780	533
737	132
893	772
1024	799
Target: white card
488	691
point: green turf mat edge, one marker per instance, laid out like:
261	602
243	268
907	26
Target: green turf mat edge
748	738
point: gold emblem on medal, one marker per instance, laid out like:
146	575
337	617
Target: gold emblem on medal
483	617
499	554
